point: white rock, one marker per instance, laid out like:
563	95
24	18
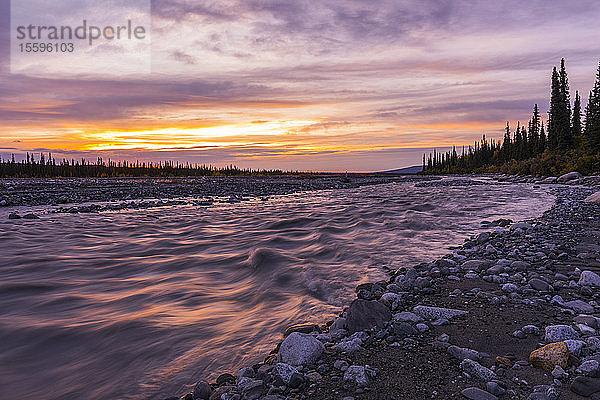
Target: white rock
595	198
434	313
559	333
300	348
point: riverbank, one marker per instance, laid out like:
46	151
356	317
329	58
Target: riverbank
504	294
58	191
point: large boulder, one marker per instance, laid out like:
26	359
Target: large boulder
549	356
571	176
589	278
595	198
364	314
300	348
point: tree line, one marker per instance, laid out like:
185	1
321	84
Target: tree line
569	141
46	166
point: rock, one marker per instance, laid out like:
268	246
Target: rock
364	314
349	346
585	386
340	365
559	373
300	348
550	356
575	346
477	265
202	391
588	368
358	374
407	316
225	379
289	375
594	198
550	179
539	285
589	278
569	176
475	393
462	353
402	329
422	327
434	313
559	333
579	306
245	372
30	216
495	389
392	300
524	226
302	328
509	288
477	370
338	323
14	216
531	330
252	389
520	266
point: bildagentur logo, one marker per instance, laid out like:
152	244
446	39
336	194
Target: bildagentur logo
85	31
80	37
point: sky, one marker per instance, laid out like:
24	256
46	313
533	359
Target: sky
295	85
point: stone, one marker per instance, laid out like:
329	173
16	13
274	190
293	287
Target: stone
349	346
520	265
477	370
392	300
579	306
364	314
558	333
434	313
589	278
224	379
407	316
252	389
531	330
300	348
14	216
285	371
403	329
477	265
509	288
338	323
302	328
588	368
340	365
539	285
202	391
569	176
462	353
422	327
550	356
495	389
585	386
575	346
474	393
357	374
594	198
559	373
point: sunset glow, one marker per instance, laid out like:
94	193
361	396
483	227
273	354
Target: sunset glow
279	84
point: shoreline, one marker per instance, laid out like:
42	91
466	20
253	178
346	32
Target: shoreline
513	282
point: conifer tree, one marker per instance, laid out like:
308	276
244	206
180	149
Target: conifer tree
576	119
592	118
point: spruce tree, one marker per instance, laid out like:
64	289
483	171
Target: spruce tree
565	138
576	120
554	113
592	118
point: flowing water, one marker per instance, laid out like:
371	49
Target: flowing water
139	303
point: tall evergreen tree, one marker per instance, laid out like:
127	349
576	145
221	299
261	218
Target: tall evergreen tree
576	119
559	118
592	118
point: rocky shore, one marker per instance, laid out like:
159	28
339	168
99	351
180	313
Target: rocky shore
47	191
513	313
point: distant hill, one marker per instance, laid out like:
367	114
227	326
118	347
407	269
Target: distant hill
406	171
